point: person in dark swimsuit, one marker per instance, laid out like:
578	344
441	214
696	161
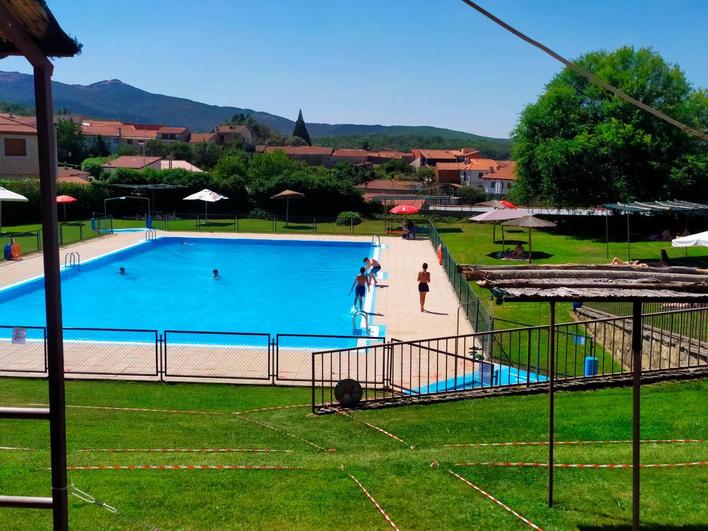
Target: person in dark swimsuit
361	282
423	288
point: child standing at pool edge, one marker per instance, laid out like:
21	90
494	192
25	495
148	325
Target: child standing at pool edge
374	267
361	282
423	288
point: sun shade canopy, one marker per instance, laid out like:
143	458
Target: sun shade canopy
658	207
405	209
591	283
288	194
42	28
501	214
205	195
692	240
530	222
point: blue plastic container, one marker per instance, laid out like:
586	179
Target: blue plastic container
590	366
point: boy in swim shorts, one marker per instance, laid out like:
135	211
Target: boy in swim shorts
374	267
361	282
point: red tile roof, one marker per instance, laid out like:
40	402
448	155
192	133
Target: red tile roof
132	163
345	152
196	138
72	175
389	154
451	166
382	185
232	128
171	130
300	150
437	154
505	171
17	125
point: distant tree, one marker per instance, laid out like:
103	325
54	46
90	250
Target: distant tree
127	149
70	142
295	141
93	165
425	174
300	129
580	145
16	108
99	147
365	144
157	148
180	151
205	155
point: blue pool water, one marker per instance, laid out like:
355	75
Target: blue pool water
270	286
503	375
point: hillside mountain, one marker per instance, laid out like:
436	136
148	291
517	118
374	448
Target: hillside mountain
113	99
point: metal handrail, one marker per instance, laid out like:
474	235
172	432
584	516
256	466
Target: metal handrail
150	234
72	259
375	237
363	314
477	300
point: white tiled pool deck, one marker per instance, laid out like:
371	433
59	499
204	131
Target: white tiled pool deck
396	303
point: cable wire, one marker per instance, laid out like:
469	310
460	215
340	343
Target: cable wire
587	74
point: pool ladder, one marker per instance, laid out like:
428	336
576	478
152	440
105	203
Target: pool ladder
72	259
361	313
150	235
374	239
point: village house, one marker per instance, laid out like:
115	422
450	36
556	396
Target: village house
69	175
385	155
493	177
226	134
18	147
432	157
355	156
129	162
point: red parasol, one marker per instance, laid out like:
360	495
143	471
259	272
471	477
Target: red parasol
405	209
63	200
507	204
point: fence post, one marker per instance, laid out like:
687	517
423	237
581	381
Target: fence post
314	225
351	226
236	222
81	231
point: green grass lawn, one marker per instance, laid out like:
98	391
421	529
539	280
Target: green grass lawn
414	494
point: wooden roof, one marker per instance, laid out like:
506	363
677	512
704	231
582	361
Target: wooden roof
591	282
39	23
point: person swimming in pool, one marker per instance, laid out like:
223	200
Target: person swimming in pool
215	274
361	283
121	271
373	266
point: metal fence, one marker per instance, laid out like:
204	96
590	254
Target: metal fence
173	355
471	305
511	357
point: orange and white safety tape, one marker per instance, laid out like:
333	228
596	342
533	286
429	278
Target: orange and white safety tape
571	443
376	504
374	427
185	467
284	432
583	465
183	450
498	502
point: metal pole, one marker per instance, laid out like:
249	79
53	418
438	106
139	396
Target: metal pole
607	235
551	397
46	141
636	382
629	254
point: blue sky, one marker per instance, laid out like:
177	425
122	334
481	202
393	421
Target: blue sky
408	62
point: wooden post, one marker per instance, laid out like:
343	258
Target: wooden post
47	147
551	397
636	383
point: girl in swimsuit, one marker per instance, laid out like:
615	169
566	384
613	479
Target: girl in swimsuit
423	288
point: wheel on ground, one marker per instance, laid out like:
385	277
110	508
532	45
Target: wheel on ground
348	392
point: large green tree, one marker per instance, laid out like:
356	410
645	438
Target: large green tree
580	145
300	129
71	147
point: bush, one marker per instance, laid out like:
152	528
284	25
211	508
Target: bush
348	217
259	213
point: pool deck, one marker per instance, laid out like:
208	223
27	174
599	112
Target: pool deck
396	302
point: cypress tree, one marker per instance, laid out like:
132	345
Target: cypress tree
301	130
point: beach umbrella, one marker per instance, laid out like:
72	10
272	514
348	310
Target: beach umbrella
288	195
500	214
8	195
64	200
405	209
207	196
530	222
692	240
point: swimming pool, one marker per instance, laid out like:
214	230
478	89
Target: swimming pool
501	375
270	286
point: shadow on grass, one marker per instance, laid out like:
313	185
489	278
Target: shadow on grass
290	226
655	527
449	230
217	224
536	255
510	242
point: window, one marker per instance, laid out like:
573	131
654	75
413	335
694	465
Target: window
15	147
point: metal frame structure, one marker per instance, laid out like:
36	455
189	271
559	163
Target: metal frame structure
19	35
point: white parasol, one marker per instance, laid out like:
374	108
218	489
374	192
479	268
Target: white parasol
8	195
207	196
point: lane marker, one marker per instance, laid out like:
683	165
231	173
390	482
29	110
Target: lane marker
569	443
374	427
184	450
583	465
292	435
376	504
492	498
185	467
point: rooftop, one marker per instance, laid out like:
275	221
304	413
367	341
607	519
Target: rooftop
18	125
131	163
